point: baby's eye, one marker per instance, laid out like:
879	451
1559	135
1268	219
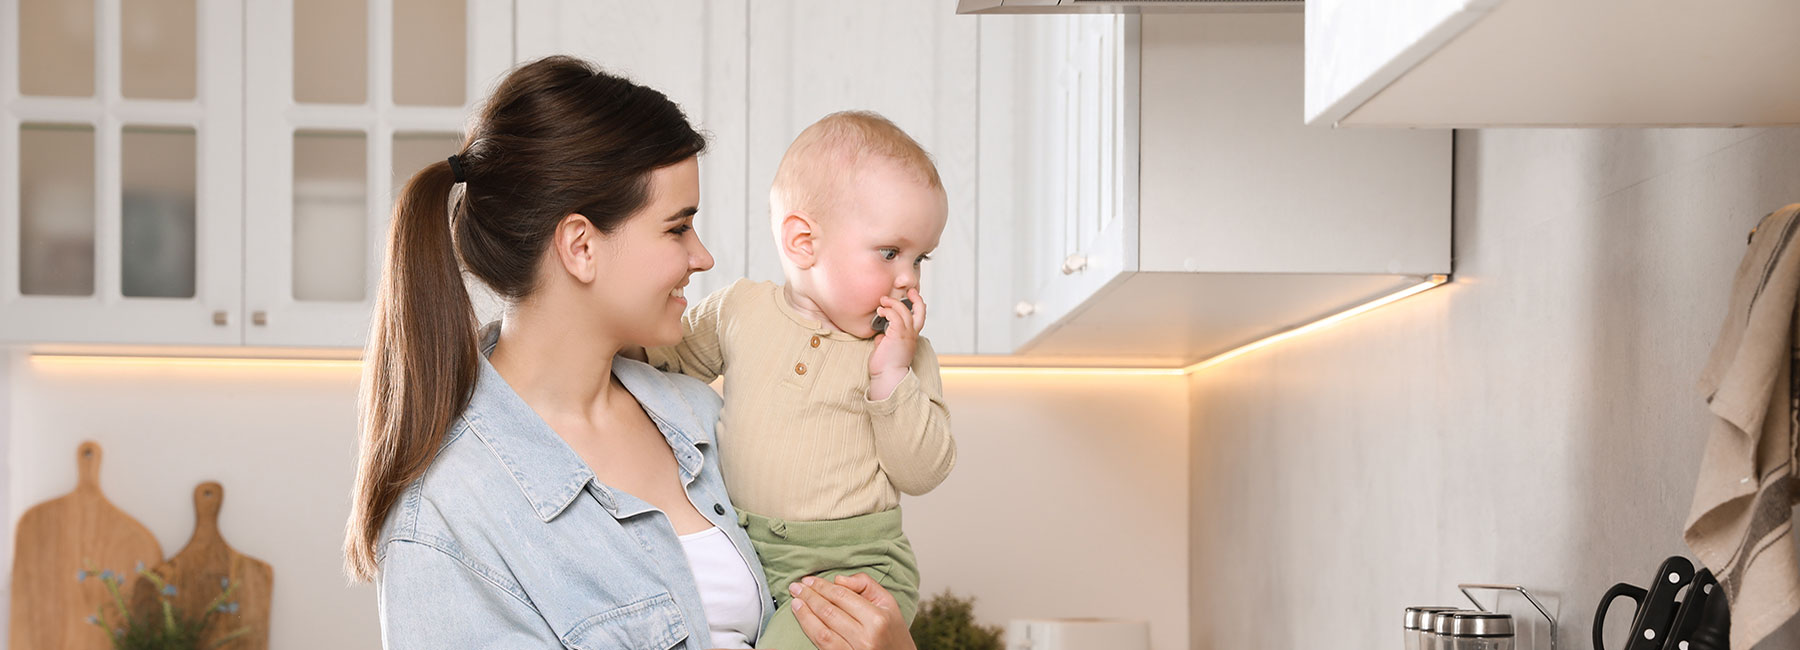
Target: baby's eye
922	259
890	253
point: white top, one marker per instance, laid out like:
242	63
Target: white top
727	588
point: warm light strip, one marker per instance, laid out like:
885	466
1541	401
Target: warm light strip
356	364
1323	323
191	362
1028	370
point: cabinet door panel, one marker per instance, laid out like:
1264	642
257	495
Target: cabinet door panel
155	256
322	157
1077	178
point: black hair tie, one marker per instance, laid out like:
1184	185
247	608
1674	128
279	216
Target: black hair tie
456	168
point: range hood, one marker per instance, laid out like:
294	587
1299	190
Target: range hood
1123	6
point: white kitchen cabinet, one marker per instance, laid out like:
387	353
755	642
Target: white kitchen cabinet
1205	215
245	203
1469	63
121	170
346	100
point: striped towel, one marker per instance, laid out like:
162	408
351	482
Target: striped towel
1741	525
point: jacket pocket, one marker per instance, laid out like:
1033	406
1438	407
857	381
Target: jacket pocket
654	623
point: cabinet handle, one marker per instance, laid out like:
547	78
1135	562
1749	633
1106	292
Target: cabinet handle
259	317
1024	309
221	318
1073	263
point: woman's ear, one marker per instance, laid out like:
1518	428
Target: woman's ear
798	240
576	245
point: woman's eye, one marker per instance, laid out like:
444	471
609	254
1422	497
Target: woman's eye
889	253
681	229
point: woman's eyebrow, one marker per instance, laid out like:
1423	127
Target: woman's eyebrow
683	214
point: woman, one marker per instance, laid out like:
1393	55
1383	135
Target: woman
517	485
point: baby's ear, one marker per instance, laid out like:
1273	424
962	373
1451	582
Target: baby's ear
797	239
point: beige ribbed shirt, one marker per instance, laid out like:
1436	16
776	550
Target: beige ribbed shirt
798	438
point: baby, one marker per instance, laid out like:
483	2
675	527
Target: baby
833	404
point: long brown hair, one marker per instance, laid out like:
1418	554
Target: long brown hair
558	136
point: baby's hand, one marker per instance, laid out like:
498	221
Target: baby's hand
894	348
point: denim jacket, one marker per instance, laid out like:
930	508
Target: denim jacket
509	541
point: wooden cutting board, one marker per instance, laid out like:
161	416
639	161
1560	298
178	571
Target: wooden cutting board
55	540
197	573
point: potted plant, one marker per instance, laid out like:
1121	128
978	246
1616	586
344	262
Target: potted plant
946	622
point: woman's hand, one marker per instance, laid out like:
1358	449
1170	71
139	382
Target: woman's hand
851	613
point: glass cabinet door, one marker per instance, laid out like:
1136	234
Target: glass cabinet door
120	172
346	99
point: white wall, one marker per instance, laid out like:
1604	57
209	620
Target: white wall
1534	422
1069	498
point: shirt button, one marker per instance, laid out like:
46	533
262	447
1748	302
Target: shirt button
718	508
799	368
815	341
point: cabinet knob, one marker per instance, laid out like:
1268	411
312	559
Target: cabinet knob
1024	309
1073	263
221	318
259	317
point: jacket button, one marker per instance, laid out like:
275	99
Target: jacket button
799	368
719	508
815	341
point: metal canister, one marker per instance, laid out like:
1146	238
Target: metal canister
1416	624
1435	634
1467	630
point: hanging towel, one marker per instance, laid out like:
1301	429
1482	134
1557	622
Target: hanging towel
1741	525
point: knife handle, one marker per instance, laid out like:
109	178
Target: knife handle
1656	616
1634	592
1692	609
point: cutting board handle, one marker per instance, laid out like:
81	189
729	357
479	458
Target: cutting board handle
208	497
87	461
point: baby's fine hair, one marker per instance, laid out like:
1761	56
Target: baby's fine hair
824	159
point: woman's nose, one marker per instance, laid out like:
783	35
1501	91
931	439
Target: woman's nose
700	259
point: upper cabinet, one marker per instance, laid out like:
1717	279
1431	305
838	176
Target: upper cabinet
1473	63
214	172
1169	203
346	100
121	171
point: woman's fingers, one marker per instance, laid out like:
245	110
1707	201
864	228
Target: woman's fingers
870	590
821	634
852	612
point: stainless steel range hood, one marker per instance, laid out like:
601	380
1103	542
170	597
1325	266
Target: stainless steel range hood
1124	6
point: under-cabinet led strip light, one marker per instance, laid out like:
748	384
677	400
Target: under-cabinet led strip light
65	359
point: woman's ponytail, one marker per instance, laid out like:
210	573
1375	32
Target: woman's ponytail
419	367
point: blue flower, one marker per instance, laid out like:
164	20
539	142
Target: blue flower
81	575
140	566
106	575
224	583
231	608
168	590
93	620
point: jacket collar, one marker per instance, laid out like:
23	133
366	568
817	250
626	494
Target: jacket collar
541	463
